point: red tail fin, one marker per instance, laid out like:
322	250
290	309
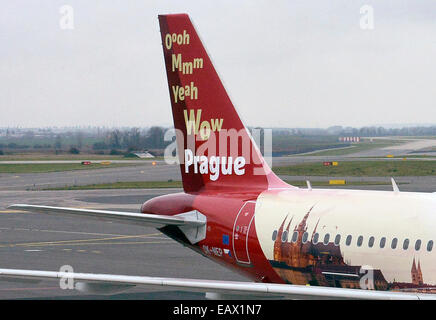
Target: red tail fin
215	149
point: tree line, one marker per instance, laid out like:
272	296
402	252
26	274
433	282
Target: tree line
133	139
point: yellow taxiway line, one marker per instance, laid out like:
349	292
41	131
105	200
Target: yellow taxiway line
76	242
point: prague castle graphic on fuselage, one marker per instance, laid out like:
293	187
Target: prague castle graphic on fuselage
303	261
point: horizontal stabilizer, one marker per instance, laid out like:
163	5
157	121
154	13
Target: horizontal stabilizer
154	220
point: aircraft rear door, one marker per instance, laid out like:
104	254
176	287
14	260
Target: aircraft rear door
241	229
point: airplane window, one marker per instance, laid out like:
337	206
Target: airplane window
315	238
295	236
274	235
326	239
337	239
406	244
394	243
305	236
371	242
348	240
359	241
382	242
417	245
285	236
430	245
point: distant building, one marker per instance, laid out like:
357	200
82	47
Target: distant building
417	273
349	139
143	154
299	258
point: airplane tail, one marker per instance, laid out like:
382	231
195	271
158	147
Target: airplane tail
216	151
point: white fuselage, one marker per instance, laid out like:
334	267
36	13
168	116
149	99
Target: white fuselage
365	214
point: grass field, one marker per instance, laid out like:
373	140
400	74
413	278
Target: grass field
362	169
300	183
125	185
55	167
178	184
66	140
290	144
49	157
357	147
407	157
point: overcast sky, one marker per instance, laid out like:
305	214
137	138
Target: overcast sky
284	63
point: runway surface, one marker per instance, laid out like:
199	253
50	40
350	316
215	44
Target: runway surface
145	172
142	170
43	242
137	172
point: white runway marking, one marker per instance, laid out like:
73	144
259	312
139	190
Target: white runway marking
63	231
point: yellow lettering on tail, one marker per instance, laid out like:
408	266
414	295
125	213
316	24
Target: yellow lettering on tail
216	124
192	124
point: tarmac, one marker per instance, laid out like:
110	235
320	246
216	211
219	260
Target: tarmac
44	242
140	171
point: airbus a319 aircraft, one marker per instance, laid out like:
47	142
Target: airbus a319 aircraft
291	242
